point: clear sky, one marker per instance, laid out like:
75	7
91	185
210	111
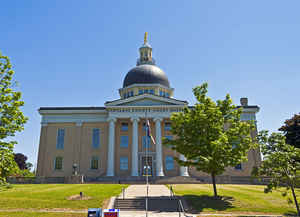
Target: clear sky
77	53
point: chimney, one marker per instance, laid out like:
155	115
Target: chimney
244	101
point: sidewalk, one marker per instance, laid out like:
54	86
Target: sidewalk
151	214
156	191
136	191
175	214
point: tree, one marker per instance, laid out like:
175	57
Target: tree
12	119
29	166
210	135
291	130
21	159
279	163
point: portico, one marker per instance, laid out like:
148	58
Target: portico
136	116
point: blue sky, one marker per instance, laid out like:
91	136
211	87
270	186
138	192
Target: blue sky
77	53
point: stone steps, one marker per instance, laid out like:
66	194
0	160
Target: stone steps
161	205
130	204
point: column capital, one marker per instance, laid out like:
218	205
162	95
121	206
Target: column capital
113	119
158	119
134	119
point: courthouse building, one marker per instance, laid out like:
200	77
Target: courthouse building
111	140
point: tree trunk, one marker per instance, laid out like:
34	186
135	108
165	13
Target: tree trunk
214	184
295	199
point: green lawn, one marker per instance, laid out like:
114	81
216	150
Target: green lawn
37	214
49	196
235	198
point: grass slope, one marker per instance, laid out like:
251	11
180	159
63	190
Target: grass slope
49	196
235	198
36	214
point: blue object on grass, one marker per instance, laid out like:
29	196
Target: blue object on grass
94	212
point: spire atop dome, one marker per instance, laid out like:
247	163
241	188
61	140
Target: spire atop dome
145	37
145	53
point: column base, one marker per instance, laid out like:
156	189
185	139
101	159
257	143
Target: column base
185	174
110	174
184	171
135	174
161	173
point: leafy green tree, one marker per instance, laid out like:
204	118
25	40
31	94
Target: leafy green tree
21	173
21	160
279	163
210	135
12	119
29	166
291	130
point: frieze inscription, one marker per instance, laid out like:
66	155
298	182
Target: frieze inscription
143	110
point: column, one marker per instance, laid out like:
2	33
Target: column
42	156
134	154
77	147
111	147
159	163
183	170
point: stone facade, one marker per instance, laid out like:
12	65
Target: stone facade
110	141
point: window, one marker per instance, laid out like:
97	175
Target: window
123	163
58	163
94	163
124	126
161	93
140	91
146	91
60	138
167	126
238	167
169	163
131	93
151	91
124	142
167	94
96	138
146	143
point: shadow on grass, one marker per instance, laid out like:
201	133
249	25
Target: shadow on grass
197	203
290	213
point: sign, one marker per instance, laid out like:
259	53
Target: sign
111	213
143	110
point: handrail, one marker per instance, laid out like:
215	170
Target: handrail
180	205
117	202
172	194
147	201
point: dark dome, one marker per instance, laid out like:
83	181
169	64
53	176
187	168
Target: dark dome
146	74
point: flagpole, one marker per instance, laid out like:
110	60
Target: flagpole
147	131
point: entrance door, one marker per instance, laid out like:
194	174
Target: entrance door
147	170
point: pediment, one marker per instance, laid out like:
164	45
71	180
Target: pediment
146	100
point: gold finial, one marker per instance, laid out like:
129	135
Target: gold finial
145	37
